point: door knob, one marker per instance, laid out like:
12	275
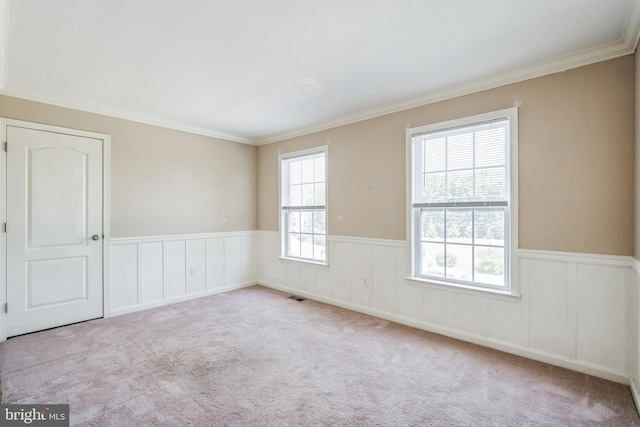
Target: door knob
95	237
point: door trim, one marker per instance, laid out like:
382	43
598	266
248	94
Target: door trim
106	210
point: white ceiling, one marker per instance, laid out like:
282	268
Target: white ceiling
258	71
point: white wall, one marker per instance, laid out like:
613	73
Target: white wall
574	311
152	271
635	332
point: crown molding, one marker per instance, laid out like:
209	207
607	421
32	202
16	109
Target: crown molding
540	69
121	114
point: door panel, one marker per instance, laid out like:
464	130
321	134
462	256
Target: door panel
54	207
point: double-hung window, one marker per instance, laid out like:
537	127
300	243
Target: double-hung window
303	204
463	201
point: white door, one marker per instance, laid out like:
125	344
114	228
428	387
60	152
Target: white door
54	229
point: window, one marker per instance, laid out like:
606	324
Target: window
303	200
463	201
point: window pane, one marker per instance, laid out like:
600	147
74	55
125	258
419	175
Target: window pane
432	222
319	223
295	174
294	245
306	246
459	262
459	226
491	147
434	188
460	186
307	170
460	151
432	262
307	195
319	169
307	221
295	195
294	221
319	248
490	266
434	154
489	227
491	184
319	194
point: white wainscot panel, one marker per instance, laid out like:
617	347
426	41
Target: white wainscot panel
124	276
361	274
150	266
468	313
383	283
341	271
548	306
174	269
232	260
603	309
214	262
293	276
307	282
504	321
435	307
196	274
247	259
323	282
407	295
265	258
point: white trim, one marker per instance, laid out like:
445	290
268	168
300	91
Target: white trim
369	241
635	393
609	374
580	258
161	303
635	264
106	208
122	114
175	237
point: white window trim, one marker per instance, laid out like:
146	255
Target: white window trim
284	156
512	115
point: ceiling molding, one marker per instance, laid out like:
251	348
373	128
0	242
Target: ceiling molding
122	114
556	65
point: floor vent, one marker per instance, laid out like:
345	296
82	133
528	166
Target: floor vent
297	298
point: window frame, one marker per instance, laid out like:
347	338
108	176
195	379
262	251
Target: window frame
282	186
511	219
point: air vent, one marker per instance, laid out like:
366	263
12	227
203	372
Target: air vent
297	298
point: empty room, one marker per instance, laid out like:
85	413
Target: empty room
296	213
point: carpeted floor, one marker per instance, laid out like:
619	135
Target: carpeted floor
256	358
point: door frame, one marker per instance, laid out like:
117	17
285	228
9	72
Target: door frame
106	209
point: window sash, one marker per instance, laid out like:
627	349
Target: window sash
482	273
306	243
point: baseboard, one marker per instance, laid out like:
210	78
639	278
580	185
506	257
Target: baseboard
635	393
160	303
539	356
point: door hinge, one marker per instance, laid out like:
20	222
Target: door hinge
5	145
6	307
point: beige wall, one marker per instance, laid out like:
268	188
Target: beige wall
163	181
576	141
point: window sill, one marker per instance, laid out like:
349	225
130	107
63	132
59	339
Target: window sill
305	261
509	294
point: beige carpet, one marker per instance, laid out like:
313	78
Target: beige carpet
254	357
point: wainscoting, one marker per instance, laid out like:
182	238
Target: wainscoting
152	271
574	310
577	311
